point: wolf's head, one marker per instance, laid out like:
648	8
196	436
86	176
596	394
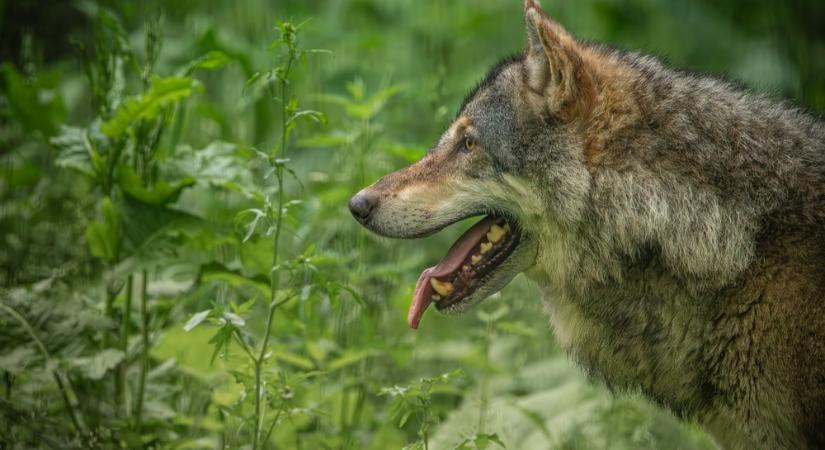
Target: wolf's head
523	122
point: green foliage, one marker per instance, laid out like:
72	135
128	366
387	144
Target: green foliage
416	399
104	236
35	104
480	441
148	106
178	268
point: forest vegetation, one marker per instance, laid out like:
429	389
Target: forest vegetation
178	267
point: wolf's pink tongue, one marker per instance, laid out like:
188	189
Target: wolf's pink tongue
461	249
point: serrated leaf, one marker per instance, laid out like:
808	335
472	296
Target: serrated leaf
244	307
163	92
74	150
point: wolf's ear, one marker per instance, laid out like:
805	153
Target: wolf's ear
553	63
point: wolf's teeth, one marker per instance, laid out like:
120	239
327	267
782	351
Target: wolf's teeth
485	247
442	287
475	259
465	268
506	227
436	297
495	234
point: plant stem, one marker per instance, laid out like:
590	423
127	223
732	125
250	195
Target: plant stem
71	406
144	359
274	276
120	386
108	310
9	382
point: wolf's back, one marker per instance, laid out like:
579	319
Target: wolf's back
704	192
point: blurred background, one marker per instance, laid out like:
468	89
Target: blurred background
178	268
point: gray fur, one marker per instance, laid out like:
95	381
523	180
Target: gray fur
679	226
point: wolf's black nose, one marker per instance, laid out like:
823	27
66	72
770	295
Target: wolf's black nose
361	205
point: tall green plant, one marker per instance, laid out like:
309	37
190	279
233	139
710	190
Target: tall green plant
117	152
270	216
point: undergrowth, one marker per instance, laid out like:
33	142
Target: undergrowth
179	268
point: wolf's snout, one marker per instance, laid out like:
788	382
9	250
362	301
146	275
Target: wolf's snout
362	204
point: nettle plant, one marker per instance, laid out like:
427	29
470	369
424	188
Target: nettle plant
121	155
268	386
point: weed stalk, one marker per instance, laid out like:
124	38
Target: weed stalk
274	278
144	356
120	386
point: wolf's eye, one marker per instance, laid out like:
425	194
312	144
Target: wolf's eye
468	144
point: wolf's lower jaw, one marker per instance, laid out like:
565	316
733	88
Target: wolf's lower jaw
481	262
451	288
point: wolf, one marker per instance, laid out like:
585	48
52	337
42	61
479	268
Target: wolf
674	223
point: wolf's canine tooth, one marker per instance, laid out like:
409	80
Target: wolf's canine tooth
436	297
506	227
485	247
495	234
475	259
442	287
465	268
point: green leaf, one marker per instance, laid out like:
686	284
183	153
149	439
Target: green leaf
234	319
148	229
163	92
75	150
210	61
257	214
221	340
244	307
161	193
311	115
196	319
215	272
404	417
189	350
35	103
95	367
104	237
480	441
17	359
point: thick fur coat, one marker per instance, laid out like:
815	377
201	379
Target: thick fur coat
674	222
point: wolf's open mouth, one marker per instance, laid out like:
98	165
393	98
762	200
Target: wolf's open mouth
469	262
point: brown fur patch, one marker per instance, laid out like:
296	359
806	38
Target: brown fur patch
613	107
